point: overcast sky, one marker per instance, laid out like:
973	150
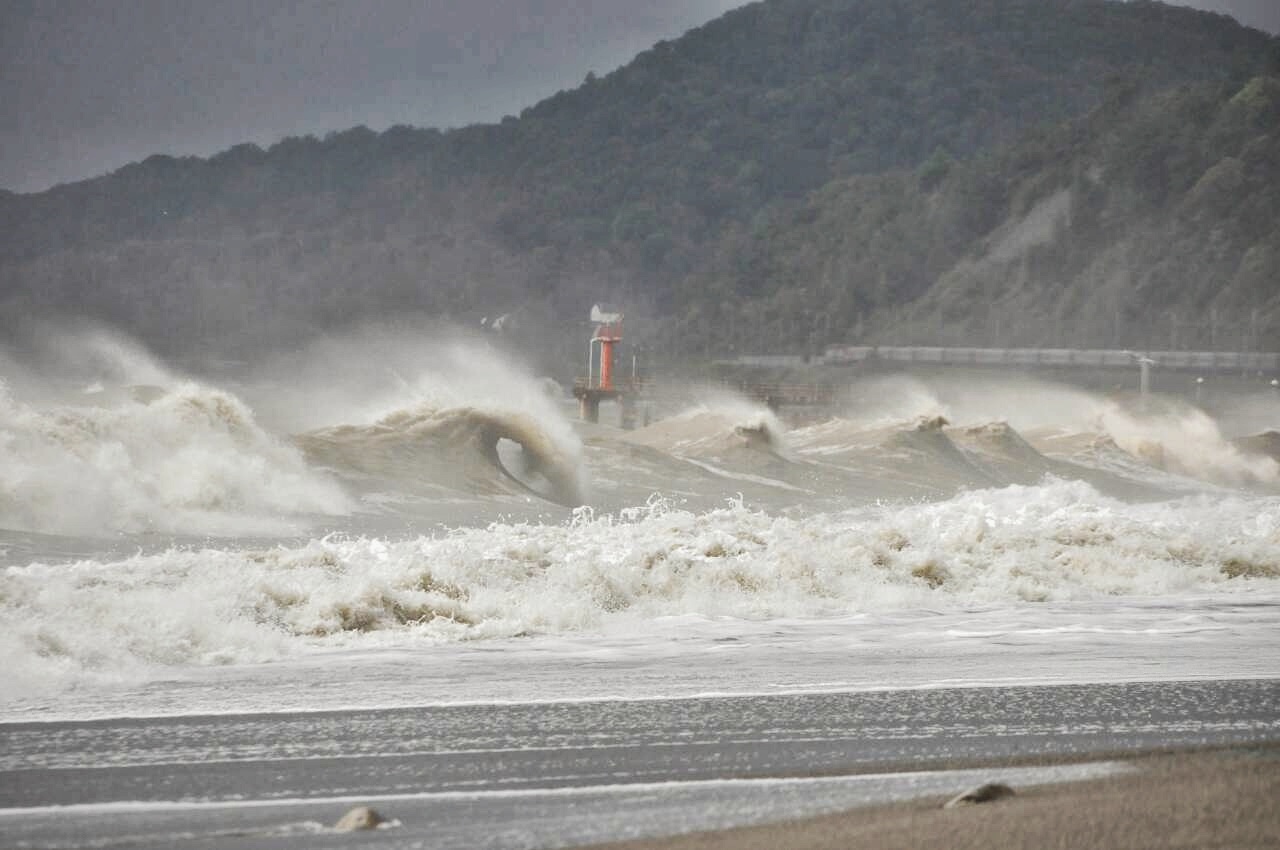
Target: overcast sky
89	85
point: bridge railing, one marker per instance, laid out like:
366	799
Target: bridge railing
1217	361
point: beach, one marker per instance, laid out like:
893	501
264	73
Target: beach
520	776
1219	798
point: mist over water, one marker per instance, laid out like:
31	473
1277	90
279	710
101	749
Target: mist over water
393	489
110	441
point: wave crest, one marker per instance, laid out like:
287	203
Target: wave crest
460	448
192	460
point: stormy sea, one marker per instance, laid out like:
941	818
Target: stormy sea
238	599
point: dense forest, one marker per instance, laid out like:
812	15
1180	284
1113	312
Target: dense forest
793	174
1147	223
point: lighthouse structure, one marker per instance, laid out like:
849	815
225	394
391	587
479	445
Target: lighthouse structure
600	383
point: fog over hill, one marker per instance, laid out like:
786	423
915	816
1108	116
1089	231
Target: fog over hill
792	174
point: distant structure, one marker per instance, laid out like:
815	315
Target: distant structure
1199	361
1144	371
599	384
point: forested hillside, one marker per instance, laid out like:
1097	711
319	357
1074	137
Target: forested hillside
795	173
1149	222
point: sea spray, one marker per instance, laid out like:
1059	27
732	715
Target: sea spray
423	413
1186	441
192	460
1165	434
364	376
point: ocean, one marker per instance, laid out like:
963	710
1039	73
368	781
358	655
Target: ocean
383	528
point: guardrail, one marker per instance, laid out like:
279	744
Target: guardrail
1210	361
789	393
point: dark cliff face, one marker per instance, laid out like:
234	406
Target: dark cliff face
791	160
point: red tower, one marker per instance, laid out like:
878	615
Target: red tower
599	383
608	336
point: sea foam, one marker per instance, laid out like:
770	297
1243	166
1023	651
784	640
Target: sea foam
1015	546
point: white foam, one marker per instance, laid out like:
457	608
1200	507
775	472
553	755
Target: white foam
1186	441
1016	546
193	460
1162	434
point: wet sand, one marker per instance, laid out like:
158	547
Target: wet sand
525	775
1221	798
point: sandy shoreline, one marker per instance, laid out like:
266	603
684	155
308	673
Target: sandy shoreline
1214	798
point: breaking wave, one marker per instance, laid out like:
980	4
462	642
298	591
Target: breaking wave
913	498
1157	439
1057	541
1187	442
464	449
190	459
717	429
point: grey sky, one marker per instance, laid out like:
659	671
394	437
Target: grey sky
89	85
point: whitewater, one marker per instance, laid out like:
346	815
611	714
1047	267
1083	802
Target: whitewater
384	521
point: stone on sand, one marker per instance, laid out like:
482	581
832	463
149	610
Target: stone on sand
984	793
361	817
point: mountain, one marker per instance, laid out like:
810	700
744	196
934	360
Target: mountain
1149	222
728	177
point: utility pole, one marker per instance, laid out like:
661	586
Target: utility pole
1144	377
